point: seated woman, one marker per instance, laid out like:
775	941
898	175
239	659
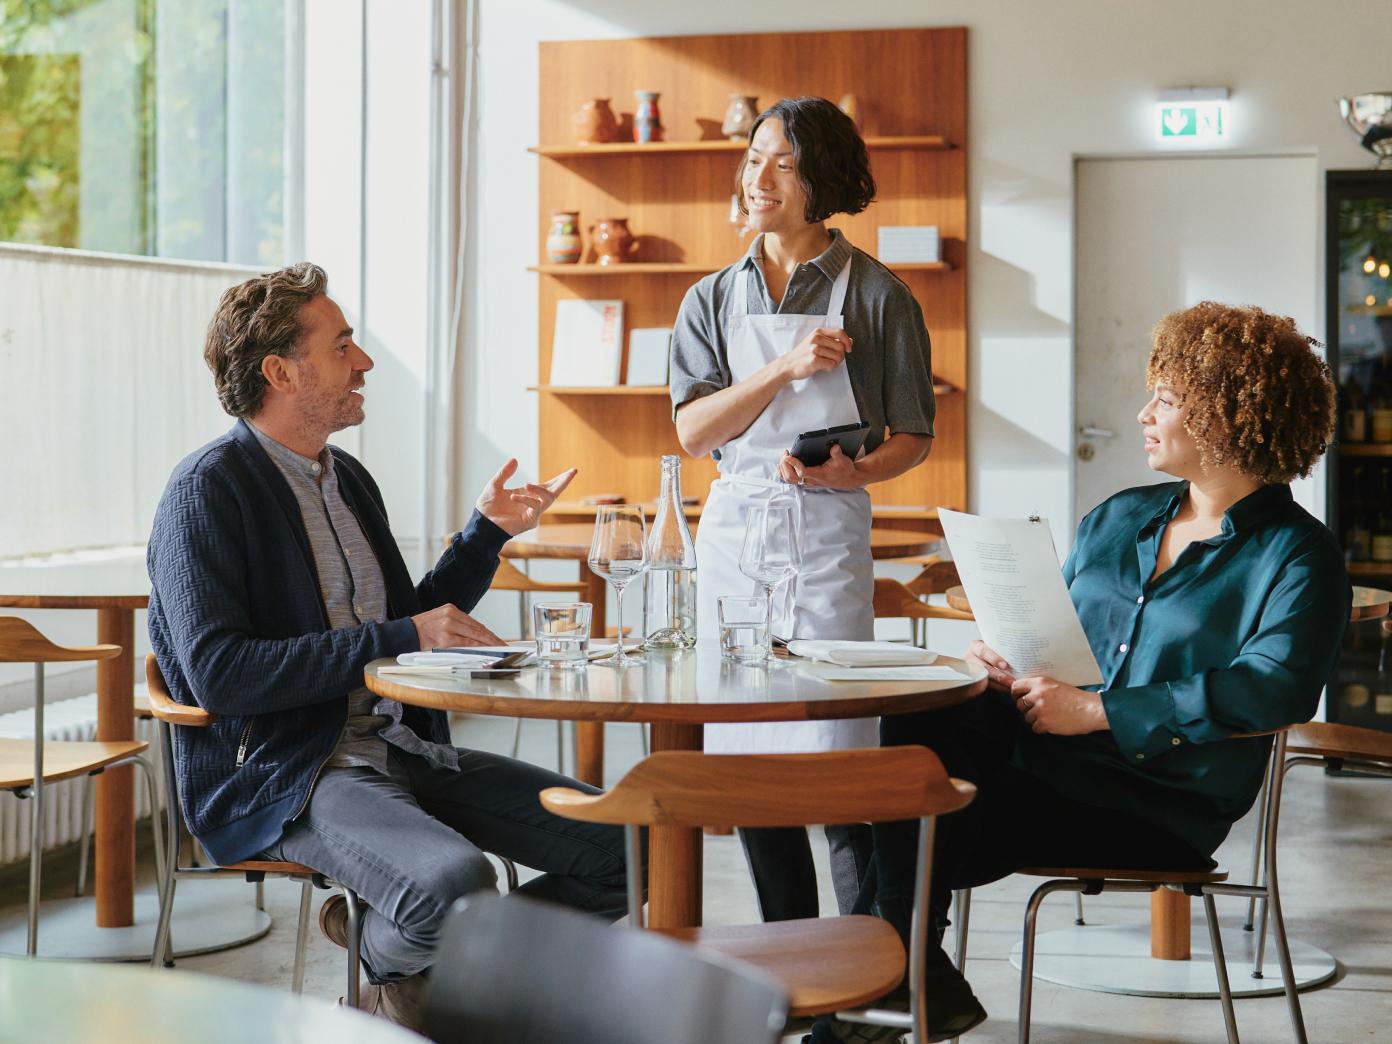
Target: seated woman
1215	605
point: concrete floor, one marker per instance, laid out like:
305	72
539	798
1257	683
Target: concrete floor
1336	833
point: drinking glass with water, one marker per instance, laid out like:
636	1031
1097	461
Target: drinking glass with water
743	628
562	633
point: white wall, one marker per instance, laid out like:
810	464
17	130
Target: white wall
1047	82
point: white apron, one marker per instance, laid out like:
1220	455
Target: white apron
832	594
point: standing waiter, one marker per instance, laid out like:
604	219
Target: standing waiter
803	332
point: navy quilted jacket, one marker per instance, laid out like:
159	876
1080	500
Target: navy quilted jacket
239	628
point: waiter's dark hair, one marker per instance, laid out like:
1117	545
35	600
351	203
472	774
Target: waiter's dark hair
828	154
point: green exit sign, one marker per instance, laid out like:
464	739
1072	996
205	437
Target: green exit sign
1199	121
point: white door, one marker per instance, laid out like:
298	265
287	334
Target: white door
1156	235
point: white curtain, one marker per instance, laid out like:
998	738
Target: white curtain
102	391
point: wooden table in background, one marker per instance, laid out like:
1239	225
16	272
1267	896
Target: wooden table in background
114	849
571	541
678	693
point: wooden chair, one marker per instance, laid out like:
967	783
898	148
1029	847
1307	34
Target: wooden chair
1201	883
169	713
527	972
26	766
894	599
833	964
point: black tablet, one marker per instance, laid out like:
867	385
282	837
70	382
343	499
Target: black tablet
813	448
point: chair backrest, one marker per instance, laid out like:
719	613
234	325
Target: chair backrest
935	578
1350	742
508	577
690	789
165	708
22	642
518	970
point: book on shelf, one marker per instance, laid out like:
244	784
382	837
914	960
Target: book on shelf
588	344
649	352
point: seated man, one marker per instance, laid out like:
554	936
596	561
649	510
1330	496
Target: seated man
1215	605
275	580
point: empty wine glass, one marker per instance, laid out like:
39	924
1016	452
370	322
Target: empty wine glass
771	553
618	552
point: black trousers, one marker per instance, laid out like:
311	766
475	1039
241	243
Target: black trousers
785	878
1016	819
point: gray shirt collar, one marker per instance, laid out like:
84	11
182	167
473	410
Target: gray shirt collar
311	469
829	262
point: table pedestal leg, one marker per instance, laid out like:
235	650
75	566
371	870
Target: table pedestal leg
115	815
589	735
1169	925
674	853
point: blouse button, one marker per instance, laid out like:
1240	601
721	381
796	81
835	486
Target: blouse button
1122	647
1140	599
1140	757
1174	742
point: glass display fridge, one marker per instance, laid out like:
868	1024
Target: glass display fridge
1358	287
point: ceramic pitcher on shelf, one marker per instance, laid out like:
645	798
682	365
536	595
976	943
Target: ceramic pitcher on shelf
563	245
739	116
647	121
595	123
613	242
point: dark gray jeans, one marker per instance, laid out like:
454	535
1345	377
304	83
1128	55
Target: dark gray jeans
411	842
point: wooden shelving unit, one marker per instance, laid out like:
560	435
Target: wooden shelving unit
912	88
1365	449
623	148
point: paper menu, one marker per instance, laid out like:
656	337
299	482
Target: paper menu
1011	574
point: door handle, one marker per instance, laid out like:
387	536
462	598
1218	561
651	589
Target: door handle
1089	431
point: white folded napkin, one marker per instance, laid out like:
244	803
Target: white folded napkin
445	659
862	654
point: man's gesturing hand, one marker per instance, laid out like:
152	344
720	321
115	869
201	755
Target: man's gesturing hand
517	510
448	625
822	349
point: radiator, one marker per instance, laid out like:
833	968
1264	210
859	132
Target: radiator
71	719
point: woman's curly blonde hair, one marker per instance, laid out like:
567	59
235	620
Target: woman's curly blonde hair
1258	398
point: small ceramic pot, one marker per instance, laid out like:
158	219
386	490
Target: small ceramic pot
647	121
613	242
595	123
563	245
739	117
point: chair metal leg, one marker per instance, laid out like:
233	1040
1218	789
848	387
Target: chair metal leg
161	958
302	935
560	747
643	731
1220	968
961	916
157	834
89	825
261	895
1257	857
1078	909
516	737
1027	952
353	994
36	790
510	872
31	947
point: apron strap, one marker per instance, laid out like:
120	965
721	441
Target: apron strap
838	291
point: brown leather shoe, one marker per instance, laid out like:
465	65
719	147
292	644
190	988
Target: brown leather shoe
401	1002
333	919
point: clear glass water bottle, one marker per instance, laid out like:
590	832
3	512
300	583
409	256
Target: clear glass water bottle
669	586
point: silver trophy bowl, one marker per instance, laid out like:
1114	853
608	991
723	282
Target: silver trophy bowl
1370	115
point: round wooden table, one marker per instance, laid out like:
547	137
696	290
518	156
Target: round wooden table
571	541
66	1001
677	693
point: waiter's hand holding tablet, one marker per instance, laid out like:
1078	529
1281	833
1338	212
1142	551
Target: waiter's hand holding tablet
826	457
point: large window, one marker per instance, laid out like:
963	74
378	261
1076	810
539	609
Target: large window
148	127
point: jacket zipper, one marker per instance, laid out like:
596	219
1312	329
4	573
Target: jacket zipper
242	746
317	772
